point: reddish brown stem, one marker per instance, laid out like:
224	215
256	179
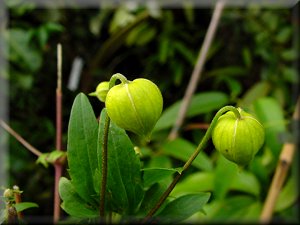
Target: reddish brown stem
57	165
18	199
195	126
58	174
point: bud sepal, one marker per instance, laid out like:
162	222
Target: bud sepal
238	139
135	105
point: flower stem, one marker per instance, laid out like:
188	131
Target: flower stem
116	76
104	168
105	150
201	146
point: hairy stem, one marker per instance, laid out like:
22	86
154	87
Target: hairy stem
105	150
104	168
200	147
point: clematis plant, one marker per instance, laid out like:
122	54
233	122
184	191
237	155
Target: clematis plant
107	182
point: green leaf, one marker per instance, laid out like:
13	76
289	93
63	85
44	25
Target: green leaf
234	86
24	81
272	118
161	161
227	71
188	10
214	49
201	103
51	157
183	207
270	20
289	54
164	47
42	36
141	35
82	148
54	155
25	205
21	51
186	52
229	177
246	182
196	182
124	184
72	203
205	181
151	197
155	175
53	27
247	57
290	74
122	18
183	149
42	159
237	208
288	195
284	35
224	174
257	91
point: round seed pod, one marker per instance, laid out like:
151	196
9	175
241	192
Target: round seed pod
135	106
238	139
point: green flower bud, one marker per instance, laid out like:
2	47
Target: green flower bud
135	106
8	193
238	139
101	91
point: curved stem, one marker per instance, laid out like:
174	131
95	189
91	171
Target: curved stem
116	76
104	168
112	82
201	146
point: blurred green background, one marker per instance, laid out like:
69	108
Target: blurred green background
252	63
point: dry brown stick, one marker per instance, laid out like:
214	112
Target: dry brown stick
285	160
20	138
196	75
59	99
57	165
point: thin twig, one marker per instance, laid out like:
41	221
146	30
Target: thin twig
20	139
57	165
196	75
285	160
193	126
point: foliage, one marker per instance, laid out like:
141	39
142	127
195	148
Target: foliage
125	186
250	64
